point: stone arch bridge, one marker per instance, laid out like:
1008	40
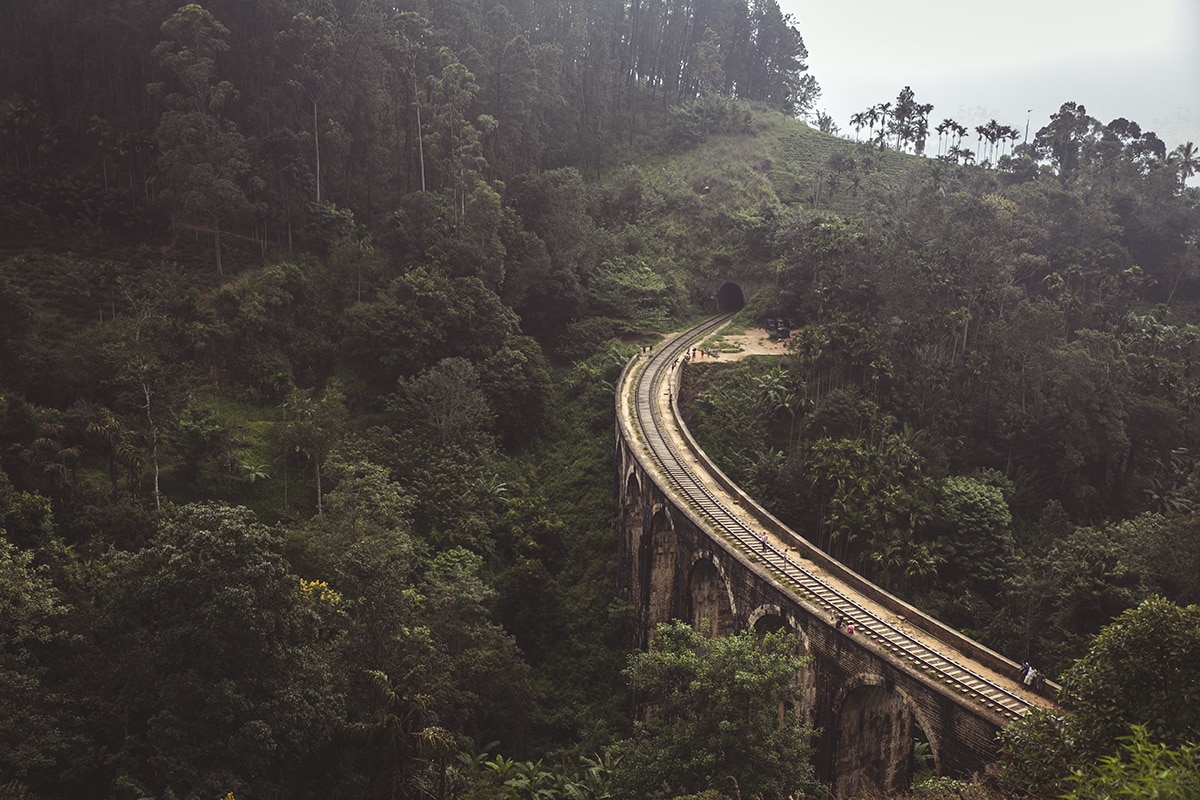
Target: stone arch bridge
692	548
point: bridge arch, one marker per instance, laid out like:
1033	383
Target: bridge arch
633	518
633	513
770	618
730	298
876	726
633	483
710	598
657	557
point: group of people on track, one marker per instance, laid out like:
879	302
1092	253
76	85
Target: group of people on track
1033	678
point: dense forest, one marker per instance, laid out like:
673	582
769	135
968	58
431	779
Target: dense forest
310	314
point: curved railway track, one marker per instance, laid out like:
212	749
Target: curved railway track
656	379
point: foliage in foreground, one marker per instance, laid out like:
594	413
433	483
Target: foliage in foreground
1141	672
1142	769
714	718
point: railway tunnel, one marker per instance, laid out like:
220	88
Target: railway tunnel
730	298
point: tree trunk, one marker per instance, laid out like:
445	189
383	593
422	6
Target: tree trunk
317	468
217	243
420	140
1175	283
146	391
317	149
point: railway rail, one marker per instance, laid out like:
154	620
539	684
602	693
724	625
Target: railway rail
656	378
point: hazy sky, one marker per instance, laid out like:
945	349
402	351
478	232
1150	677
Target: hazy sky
1138	59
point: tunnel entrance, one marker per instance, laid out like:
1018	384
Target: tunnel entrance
730	298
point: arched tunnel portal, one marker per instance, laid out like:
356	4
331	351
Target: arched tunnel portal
730	298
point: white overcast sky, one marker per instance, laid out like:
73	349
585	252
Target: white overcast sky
1138	59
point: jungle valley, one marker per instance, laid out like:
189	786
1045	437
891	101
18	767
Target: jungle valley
310	316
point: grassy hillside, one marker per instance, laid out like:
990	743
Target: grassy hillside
764	156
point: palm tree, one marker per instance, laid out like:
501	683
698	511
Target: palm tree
50	452
965	154
1186	160
990	132
858	121
776	385
921	127
118	440
403	734
872	116
884	110
959	131
1012	134
994	132
941	132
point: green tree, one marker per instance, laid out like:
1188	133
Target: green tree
309	45
1186	160
421	318
363	508
776	74
405	738
447	397
1142	669
627	288
16	328
716	722
709	72
1143	768
1063	596
857	492
1062	140
517	382
202	154
312	428
546	286
481	678
1035	755
31	733
208	653
973	520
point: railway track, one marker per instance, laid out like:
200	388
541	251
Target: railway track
656	379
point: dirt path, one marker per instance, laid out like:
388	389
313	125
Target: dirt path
753	342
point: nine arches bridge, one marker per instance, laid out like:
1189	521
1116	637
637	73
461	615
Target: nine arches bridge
692	548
